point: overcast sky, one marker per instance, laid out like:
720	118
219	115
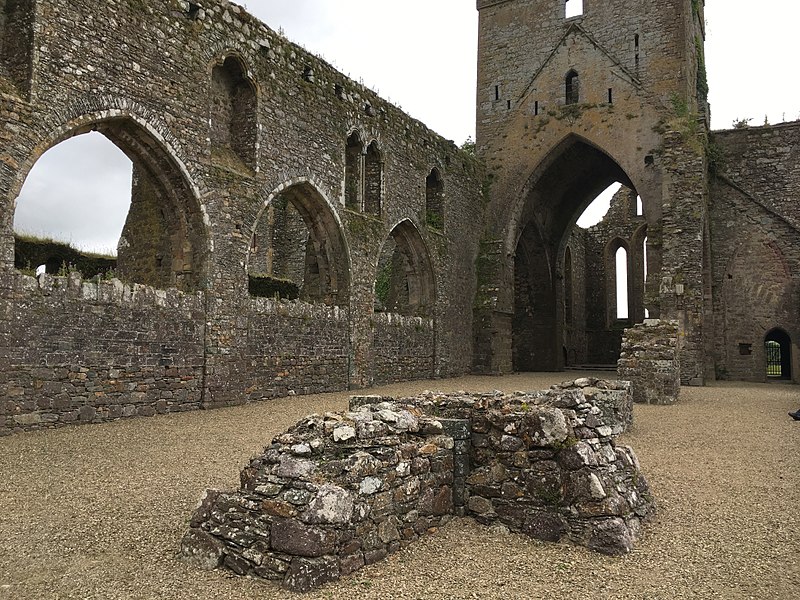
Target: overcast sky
421	55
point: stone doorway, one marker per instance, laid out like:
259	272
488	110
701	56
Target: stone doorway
778	352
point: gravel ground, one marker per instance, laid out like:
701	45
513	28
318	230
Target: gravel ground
98	511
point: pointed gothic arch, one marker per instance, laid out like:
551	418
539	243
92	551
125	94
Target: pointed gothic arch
297	238
404	282
165	242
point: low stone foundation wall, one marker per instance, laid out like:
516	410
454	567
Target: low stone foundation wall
650	361
77	351
341	491
333	494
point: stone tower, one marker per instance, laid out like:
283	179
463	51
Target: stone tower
571	98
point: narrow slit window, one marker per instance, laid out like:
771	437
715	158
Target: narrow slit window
636	50
622	283
572	88
644	261
496	93
610	96
573	8
536	108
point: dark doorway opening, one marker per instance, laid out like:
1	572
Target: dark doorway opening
778	350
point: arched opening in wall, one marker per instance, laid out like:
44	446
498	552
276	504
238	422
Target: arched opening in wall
637	274
353	171
373	180
136	218
434	200
404	283
16	44
551	310
297	250
572	84
568	299
778	352
644	274
234	120
621	284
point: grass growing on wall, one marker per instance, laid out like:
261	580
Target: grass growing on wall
31	251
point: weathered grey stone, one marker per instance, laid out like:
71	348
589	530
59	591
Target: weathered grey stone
343	433
332	505
308	573
294	468
201	550
292	537
611	536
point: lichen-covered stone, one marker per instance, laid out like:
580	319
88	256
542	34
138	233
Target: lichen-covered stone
650	361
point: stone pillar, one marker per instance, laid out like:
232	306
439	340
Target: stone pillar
684	214
650	361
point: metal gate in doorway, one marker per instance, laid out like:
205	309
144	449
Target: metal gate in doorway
774	362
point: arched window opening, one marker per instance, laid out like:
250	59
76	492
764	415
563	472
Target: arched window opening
233	115
63	218
373	180
568	297
573	8
778	350
353	171
404	281
572	88
621	264
639	206
136	218
644	254
434	200
297	250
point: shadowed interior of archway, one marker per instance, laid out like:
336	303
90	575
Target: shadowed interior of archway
298	244
558	192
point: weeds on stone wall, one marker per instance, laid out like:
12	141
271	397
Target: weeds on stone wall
434	220
702	75
30	252
383	283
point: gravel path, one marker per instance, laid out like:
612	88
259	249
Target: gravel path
98	511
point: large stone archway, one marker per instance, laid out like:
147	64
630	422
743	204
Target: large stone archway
165	242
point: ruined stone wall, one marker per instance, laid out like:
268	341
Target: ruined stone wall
333	494
403	348
755	247
637	68
172	106
295	348
620	227
78	351
650	361
340	491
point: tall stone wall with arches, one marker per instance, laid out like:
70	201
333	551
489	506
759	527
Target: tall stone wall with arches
227	124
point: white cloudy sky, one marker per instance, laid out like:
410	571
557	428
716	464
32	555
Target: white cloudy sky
420	54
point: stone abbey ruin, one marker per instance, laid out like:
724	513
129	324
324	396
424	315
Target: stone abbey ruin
292	232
